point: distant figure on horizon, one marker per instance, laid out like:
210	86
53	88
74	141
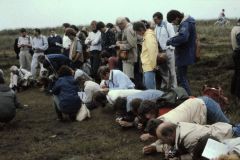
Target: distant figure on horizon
222	15
222	20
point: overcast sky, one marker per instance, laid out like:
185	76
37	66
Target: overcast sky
51	13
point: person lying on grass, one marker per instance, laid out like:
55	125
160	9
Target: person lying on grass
202	110
124	108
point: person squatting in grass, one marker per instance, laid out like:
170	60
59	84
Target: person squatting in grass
8	101
65	94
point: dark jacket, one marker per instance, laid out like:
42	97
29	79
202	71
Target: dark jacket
56	60
185	42
52	47
8	103
109	39
66	89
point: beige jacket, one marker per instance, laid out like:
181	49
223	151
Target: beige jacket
192	110
234	32
129	38
188	134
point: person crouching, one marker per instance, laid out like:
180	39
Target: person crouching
65	90
20	78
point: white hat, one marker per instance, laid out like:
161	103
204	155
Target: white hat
13	68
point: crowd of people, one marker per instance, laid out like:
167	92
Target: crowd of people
139	68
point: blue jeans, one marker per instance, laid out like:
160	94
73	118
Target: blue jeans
182	78
149	80
214	111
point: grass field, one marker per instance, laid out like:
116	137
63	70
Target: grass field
35	134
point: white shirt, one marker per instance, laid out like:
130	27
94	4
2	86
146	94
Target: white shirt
95	39
114	94
25	41
40	42
164	34
89	89
66	42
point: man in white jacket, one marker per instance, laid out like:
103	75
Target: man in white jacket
94	42
164	31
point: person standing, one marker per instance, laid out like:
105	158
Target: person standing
66	42
94	41
76	52
39	45
164	31
128	43
108	40
185	43
25	44
148	55
54	43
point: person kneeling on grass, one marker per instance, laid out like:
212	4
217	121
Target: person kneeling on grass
89	87
125	108
8	102
20	78
65	90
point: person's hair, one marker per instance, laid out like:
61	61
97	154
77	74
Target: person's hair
139	26
109	25
99	99
147	106
168	130
127	19
81	80
41	58
146	24
74	27
102	71
94	22
199	147
135	103
152	125
70	31
37	30
22	30
65	71
66	25
173	14
158	15
100	25
120	104
121	20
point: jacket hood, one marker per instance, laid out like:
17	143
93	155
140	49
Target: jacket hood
4	88
189	19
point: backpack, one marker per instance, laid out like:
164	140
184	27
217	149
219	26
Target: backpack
217	95
172	98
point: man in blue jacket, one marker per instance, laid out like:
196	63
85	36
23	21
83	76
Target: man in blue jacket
185	43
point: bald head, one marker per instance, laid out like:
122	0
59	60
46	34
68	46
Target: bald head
166	132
